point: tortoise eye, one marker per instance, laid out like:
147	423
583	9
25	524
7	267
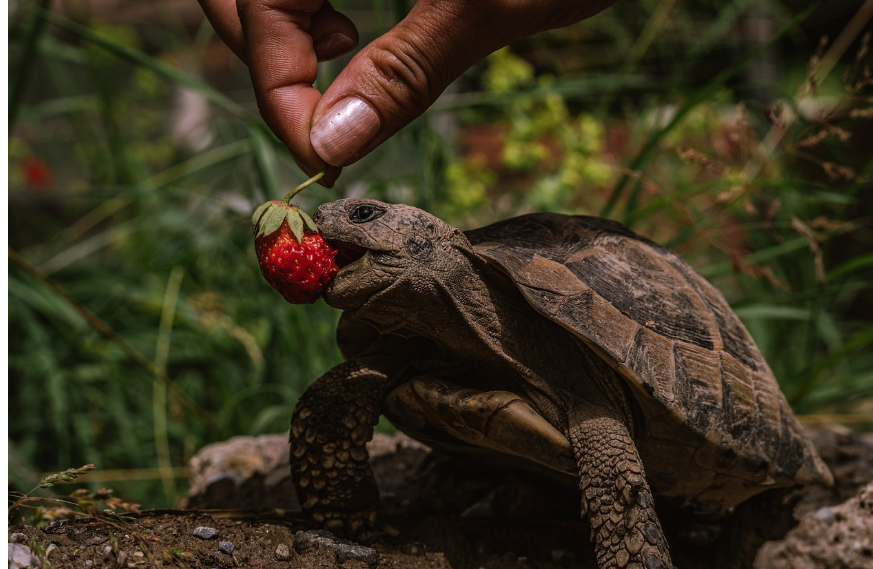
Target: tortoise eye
365	213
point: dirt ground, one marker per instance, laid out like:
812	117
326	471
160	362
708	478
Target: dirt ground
446	515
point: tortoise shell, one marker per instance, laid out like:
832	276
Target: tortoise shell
708	397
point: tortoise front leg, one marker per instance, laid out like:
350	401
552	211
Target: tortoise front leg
331	425
616	498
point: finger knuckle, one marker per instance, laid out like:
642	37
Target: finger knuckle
407	78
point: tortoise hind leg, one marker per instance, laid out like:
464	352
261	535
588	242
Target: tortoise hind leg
616	498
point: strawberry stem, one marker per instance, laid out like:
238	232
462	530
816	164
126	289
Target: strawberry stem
304	185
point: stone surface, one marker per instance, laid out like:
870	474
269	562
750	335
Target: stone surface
242	472
204	532
283	552
832	537
849	455
20	557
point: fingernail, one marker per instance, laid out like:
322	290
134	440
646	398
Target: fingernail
334	45
345	130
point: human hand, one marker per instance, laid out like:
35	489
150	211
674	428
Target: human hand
387	84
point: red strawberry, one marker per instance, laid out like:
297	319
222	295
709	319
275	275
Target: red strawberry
294	258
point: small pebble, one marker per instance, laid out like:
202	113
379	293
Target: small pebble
283	552
225	547
18	538
20	557
204	532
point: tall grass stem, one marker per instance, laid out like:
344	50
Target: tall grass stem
159	394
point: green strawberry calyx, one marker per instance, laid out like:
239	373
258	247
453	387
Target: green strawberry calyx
270	216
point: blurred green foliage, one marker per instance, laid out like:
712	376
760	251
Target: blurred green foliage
137	157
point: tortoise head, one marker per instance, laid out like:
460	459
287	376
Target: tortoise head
386	251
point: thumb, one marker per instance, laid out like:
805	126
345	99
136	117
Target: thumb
398	76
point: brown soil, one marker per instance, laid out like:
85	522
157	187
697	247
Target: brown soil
440	515
425	543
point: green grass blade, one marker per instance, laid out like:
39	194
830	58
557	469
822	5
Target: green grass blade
265	160
20	79
159	390
771	312
757	257
140	59
729	14
851	266
199	163
706	92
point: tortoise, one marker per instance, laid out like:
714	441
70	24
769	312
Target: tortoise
563	344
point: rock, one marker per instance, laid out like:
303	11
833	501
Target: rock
836	537
225	547
204	532
283	552
242	472
345	551
253	472
20	557
849	455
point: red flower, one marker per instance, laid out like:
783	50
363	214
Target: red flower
37	173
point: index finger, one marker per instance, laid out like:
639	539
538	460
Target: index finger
283	67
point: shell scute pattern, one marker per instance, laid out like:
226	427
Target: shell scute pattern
647	289
665	328
734	338
646	361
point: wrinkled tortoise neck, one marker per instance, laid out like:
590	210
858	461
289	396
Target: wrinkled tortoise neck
474	297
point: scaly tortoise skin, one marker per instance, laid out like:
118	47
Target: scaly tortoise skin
564	344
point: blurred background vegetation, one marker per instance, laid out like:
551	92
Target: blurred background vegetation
737	132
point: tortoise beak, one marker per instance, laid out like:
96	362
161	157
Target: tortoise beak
351	285
347	253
